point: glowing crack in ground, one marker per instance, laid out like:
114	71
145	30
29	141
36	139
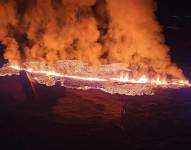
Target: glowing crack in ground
73	74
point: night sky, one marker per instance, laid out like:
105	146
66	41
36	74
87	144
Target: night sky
175	17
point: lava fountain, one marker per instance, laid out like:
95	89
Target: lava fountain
116	46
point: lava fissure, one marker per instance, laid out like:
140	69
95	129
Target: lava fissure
124	77
113	78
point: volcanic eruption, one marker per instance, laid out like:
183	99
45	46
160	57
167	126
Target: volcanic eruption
101	43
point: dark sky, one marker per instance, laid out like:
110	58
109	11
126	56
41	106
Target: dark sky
174	13
175	17
175	7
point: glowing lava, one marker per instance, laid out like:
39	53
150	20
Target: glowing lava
145	80
124	78
56	74
107	78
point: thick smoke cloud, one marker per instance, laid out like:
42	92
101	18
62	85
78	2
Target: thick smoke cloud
93	31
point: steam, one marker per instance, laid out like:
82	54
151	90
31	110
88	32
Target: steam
93	31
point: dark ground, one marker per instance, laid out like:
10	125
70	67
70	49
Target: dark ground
61	118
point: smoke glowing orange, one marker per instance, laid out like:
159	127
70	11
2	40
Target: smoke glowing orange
96	32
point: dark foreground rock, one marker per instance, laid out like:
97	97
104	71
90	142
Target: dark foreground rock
59	118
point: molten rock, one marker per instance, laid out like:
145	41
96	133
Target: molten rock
113	78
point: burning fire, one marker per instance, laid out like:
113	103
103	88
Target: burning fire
71	74
124	78
145	80
98	33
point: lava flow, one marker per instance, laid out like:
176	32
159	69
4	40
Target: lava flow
123	78
145	80
55	74
116	46
71	74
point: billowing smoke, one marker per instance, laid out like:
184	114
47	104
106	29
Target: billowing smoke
93	31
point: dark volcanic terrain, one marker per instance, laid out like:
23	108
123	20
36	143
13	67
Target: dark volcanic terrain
59	118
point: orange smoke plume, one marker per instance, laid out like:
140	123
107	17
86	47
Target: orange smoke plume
93	31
